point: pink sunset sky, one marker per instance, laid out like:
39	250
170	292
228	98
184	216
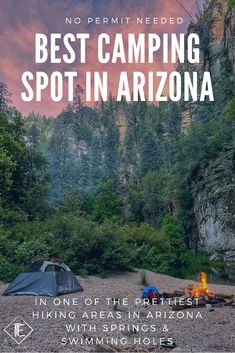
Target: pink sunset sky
20	20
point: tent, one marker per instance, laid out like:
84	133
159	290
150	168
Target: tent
49	277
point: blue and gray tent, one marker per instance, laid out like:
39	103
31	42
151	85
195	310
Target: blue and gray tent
49	277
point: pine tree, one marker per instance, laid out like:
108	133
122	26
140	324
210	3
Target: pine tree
96	161
84	172
149	153
111	143
5	95
77	101
61	165
34	136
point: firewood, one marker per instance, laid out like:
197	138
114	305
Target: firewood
216	300
224	296
230	303
177	306
174	294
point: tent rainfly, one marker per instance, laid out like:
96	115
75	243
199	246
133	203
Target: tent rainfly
49	277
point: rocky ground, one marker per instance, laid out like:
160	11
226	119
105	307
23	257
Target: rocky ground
207	331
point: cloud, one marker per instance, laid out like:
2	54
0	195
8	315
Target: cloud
20	20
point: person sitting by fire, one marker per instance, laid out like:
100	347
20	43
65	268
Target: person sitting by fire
152	294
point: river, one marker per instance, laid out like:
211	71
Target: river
223	274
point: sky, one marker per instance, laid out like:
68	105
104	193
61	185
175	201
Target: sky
20	20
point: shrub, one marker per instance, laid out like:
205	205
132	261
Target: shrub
151	250
231	3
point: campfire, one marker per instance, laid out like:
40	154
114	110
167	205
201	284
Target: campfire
200	289
201	295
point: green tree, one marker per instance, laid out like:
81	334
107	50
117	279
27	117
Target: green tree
106	204
5	95
231	3
24	172
149	153
96	172
84	168
153	197
111	144
12	151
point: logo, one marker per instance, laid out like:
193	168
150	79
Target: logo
18	330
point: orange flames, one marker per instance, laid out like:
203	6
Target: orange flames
199	289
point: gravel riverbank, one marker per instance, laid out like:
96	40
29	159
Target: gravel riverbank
197	330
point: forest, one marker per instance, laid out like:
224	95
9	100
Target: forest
118	186
117	202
